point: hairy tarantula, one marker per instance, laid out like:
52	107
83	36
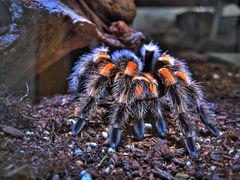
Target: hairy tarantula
136	87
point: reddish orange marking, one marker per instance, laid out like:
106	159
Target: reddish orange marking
169	79
183	76
141	78
100	56
153	89
138	90
106	70
131	68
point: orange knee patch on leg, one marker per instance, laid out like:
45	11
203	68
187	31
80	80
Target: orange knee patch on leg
107	69
138	90
168	77
131	68
183	76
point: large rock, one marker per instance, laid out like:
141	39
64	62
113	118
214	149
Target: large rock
36	37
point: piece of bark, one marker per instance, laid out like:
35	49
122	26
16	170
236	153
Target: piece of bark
12	131
110	11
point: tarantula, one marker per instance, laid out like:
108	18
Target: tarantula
136	87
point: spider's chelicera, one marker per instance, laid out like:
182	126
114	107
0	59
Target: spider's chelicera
136	86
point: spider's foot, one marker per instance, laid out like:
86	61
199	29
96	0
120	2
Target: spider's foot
161	127
191	146
78	126
139	129
114	137
214	131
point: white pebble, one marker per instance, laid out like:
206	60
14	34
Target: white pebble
188	163
107	170
92	144
230	151
216	76
46	132
208	140
148	126
29	133
105	135
236	157
85	175
111	150
219	141
213	168
72	121
46	138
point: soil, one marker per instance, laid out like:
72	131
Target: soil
47	150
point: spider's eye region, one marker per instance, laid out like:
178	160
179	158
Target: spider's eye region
166	59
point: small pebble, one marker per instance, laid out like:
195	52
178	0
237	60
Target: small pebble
92	144
107	170
29	133
85	175
46	138
216	76
230	151
219	141
111	150
89	149
55	177
188	163
78	152
208	140
46	132
72	144
72	121
148	126
79	163
105	135
236	157
213	168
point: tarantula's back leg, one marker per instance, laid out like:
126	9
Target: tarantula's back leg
197	97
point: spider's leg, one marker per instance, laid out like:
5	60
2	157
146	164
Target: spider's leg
118	118
138	92
154	109
96	89
121	111
160	123
197	97
179	97
84	68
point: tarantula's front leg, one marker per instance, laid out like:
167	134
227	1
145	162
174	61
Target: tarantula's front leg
179	100
97	88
